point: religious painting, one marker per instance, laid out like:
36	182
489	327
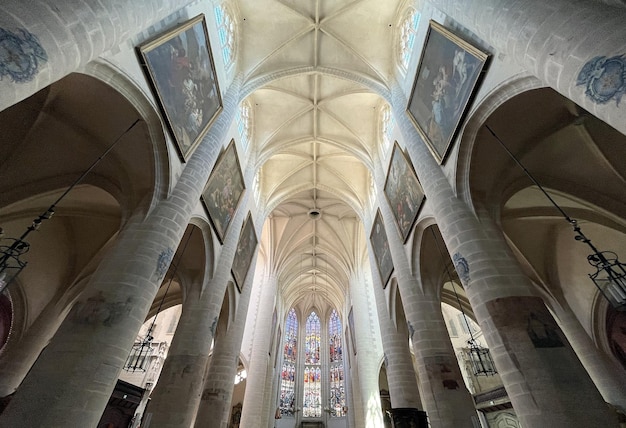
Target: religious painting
223	191
352	331
278	337
403	191
179	67
245	251
348	350
274	321
380	244
447	77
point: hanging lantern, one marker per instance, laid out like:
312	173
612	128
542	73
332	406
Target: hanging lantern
140	353
10	263
610	278
480	358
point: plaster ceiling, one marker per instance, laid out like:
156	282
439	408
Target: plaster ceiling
316	132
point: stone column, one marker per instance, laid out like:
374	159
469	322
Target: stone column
218	386
176	397
84	359
348	382
60	38
270	400
538	377
368	350
606	375
356	412
15	364
571	46
253	414
446	399
400	373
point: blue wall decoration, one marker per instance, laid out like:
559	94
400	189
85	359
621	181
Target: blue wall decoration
163	262
462	268
604	79
21	54
411	329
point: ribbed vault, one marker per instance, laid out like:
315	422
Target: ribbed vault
316	134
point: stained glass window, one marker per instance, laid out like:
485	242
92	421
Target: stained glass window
226	33
243	123
256	186
312	399
387	126
407	36
287	402
337	399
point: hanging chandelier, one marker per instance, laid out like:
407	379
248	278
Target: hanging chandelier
140	353
610	274
480	359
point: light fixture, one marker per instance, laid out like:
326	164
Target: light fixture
610	274
479	356
315	213
139	356
11	249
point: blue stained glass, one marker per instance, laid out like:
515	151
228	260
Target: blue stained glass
288	373
337	398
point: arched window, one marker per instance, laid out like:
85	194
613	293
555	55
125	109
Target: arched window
256	187
408	29
313	380
312	391
387	125
337	398
243	124
226	33
287	402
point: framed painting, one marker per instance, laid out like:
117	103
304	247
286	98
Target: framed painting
245	250
223	191
380	244
274	321
179	67
277	348
403	191
447	77
352	331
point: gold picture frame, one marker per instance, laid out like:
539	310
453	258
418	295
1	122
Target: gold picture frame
222	193
403	191
447	77
244	253
180	69
382	254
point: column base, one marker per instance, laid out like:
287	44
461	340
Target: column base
407	417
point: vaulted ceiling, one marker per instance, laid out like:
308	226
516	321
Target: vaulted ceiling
312	66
